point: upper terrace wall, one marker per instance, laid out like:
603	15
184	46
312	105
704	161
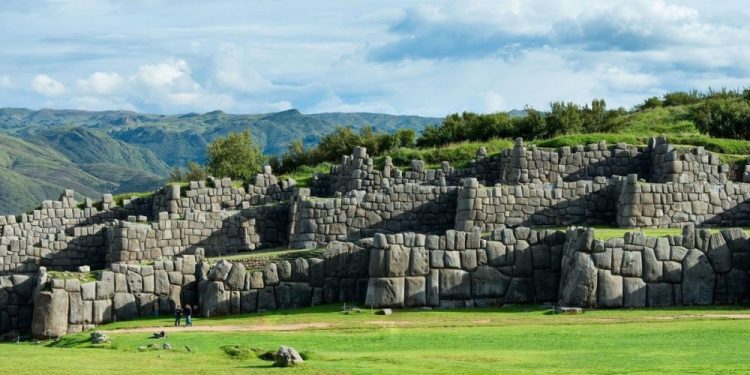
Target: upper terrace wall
564	203
572	164
659	162
218	233
63	235
214	195
407	207
677	204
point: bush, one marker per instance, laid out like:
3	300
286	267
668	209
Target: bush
723	118
681	98
236	156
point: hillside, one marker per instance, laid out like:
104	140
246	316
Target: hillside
43	152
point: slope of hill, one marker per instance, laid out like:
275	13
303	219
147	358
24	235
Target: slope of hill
43	152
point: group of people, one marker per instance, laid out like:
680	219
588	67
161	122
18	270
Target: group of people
187	312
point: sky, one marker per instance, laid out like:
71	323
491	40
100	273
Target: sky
427	58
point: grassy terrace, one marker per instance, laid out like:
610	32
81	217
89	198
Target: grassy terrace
519	339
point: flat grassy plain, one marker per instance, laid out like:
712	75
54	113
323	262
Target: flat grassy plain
520	339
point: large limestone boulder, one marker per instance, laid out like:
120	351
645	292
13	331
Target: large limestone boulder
698	279
414	293
293	295
719	254
385	292
236	277
455	284
214	300
50	314
124	306
578	281
220	270
488	282
609	289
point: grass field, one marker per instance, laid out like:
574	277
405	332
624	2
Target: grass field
507	340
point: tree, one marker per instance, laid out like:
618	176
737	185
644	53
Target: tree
236	156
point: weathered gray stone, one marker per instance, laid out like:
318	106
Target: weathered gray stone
469	260
662	248
50	314
300	270
523	266
290	295
377	262
397	261
520	290
266	299
455	284
659	295
632	265
161	282
672	272
634	292
220	270
719	254
124	306
698	279
385	292
419	262
236	278
488	282
102	311
652	268
284	269
415	291
214	300
452	259
609	289
270	275
578	281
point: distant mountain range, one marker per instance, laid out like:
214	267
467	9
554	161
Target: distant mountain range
43	152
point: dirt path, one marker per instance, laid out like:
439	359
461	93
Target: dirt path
232	328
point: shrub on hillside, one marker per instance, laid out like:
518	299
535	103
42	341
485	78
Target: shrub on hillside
723	118
236	156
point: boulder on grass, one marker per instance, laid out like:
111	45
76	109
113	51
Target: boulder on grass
287	357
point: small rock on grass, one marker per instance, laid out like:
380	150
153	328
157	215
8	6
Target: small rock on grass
288	357
384	312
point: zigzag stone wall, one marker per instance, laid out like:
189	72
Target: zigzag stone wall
407	207
564	203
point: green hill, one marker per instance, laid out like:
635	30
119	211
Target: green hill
43	152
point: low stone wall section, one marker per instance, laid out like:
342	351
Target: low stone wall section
461	269
695	268
16	302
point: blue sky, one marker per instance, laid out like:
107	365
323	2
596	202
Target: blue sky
401	57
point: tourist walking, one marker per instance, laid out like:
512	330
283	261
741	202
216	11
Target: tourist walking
188	315
177	315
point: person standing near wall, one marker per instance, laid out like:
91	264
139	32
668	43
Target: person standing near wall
188	316
177	316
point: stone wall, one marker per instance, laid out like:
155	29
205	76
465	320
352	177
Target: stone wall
357	172
675	205
16	302
695	268
218	233
572	164
130	291
407	207
684	165
215	195
461	269
123	292
564	203
60	234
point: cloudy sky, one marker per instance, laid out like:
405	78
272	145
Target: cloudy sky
401	57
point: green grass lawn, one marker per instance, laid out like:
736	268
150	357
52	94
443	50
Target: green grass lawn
507	340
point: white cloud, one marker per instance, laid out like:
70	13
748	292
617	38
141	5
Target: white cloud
45	85
5	82
101	83
233	70
494	102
